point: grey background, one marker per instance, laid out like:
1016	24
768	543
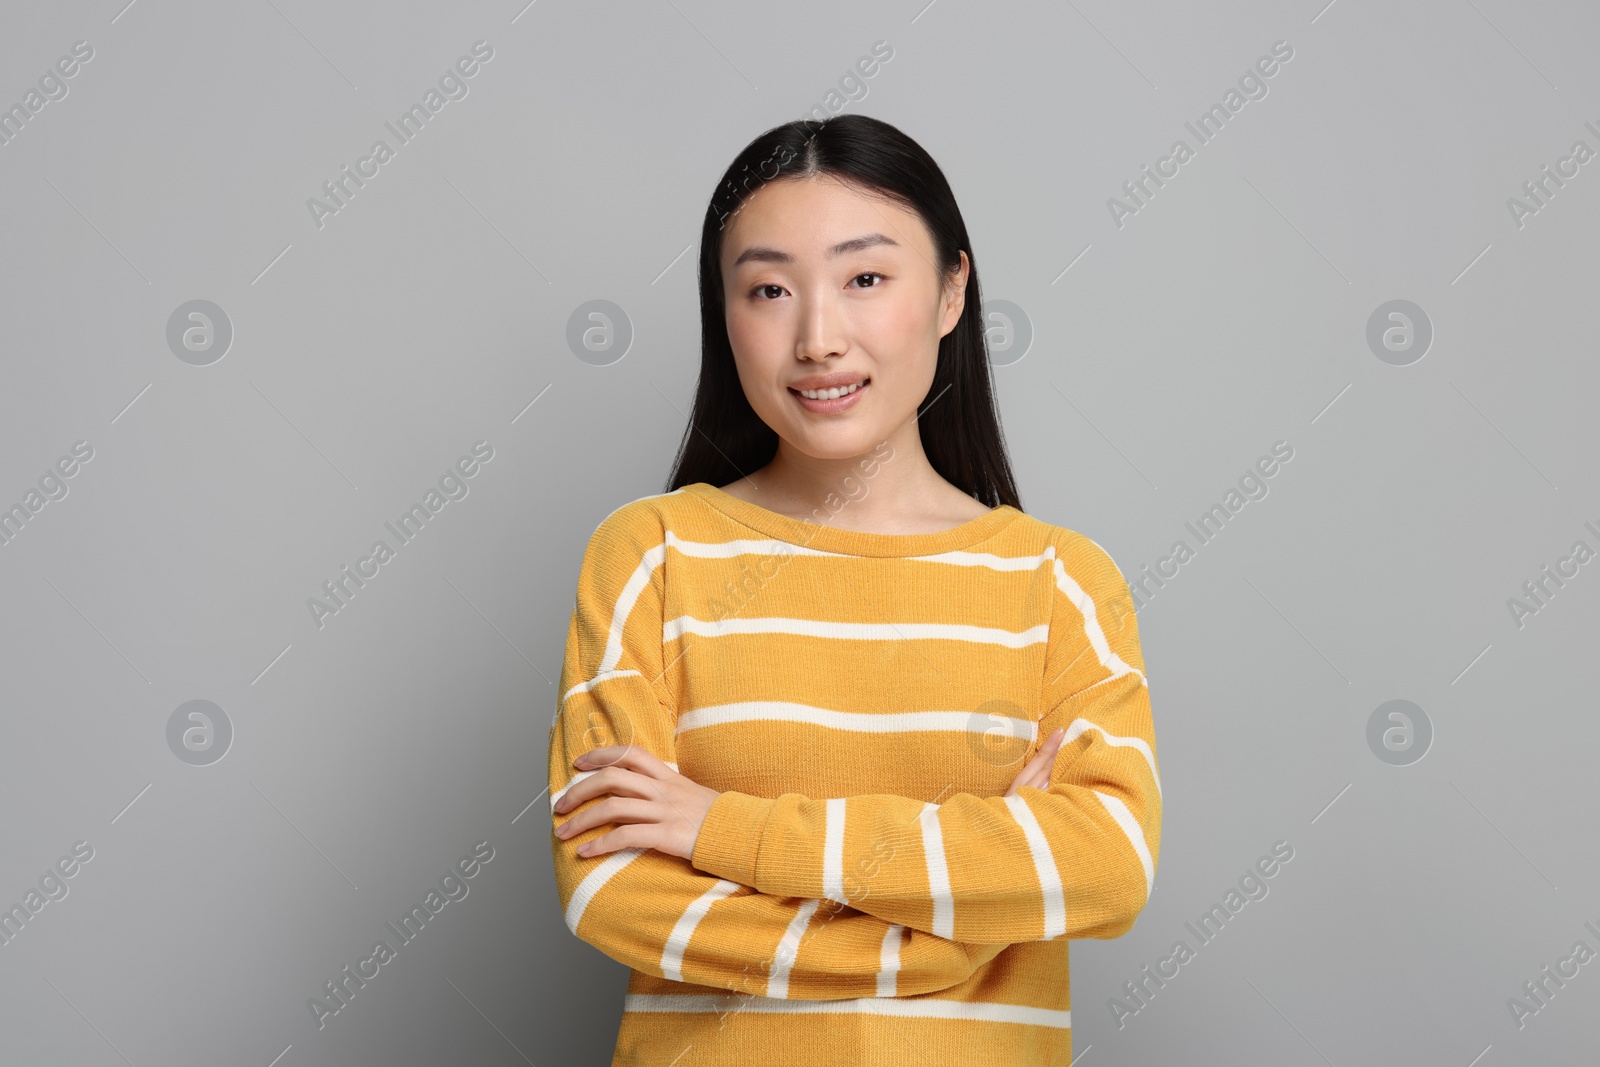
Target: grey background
431	312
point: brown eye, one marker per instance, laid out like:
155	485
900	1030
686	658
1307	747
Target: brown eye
868	274
761	289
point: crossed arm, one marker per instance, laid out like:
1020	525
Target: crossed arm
778	946
745	893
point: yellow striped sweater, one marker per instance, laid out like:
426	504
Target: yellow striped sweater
862	891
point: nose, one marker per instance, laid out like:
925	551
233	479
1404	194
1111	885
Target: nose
821	330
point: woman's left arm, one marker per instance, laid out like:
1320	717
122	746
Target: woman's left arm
1076	859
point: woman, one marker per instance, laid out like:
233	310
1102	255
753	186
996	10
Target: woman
804	775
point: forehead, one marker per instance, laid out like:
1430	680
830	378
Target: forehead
804	219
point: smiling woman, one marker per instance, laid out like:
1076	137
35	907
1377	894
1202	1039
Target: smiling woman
867	805
849	262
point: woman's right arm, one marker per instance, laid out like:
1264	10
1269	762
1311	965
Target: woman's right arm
656	912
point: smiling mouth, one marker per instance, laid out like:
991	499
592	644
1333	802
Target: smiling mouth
862	384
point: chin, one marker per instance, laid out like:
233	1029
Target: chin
836	446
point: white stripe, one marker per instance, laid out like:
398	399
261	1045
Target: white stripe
944	907
683	930
619	614
1091	625
889	960
1130	826
788	949
1078	726
635	587
773	547
833	850
864	722
741	547
989	559
905	1007
575	779
584	687
1044	862
595	880
673	629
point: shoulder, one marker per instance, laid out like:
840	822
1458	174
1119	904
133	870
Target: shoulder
1080	556
625	551
1084	574
638	526
1102	612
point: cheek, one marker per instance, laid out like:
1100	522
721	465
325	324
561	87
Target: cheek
755	355
749	345
750	337
904	326
905	338
737	328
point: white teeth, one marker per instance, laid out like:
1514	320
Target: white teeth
828	394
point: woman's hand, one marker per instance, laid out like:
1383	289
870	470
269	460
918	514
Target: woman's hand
661	809
657	807
1037	772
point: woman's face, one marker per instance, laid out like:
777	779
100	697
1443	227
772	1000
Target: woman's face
825	284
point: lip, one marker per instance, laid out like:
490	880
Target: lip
830	407
830	381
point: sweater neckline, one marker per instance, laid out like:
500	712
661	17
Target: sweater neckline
852	542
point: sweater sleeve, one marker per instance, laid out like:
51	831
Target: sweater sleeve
655	912
1073	860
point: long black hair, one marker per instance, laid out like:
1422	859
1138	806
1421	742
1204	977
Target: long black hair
959	425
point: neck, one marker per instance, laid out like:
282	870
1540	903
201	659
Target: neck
877	489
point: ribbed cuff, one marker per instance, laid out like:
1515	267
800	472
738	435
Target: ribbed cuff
730	837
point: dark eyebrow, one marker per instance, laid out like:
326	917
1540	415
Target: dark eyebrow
773	255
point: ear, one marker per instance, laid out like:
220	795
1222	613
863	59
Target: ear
955	296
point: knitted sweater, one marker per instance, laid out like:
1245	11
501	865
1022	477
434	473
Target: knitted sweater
862	891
